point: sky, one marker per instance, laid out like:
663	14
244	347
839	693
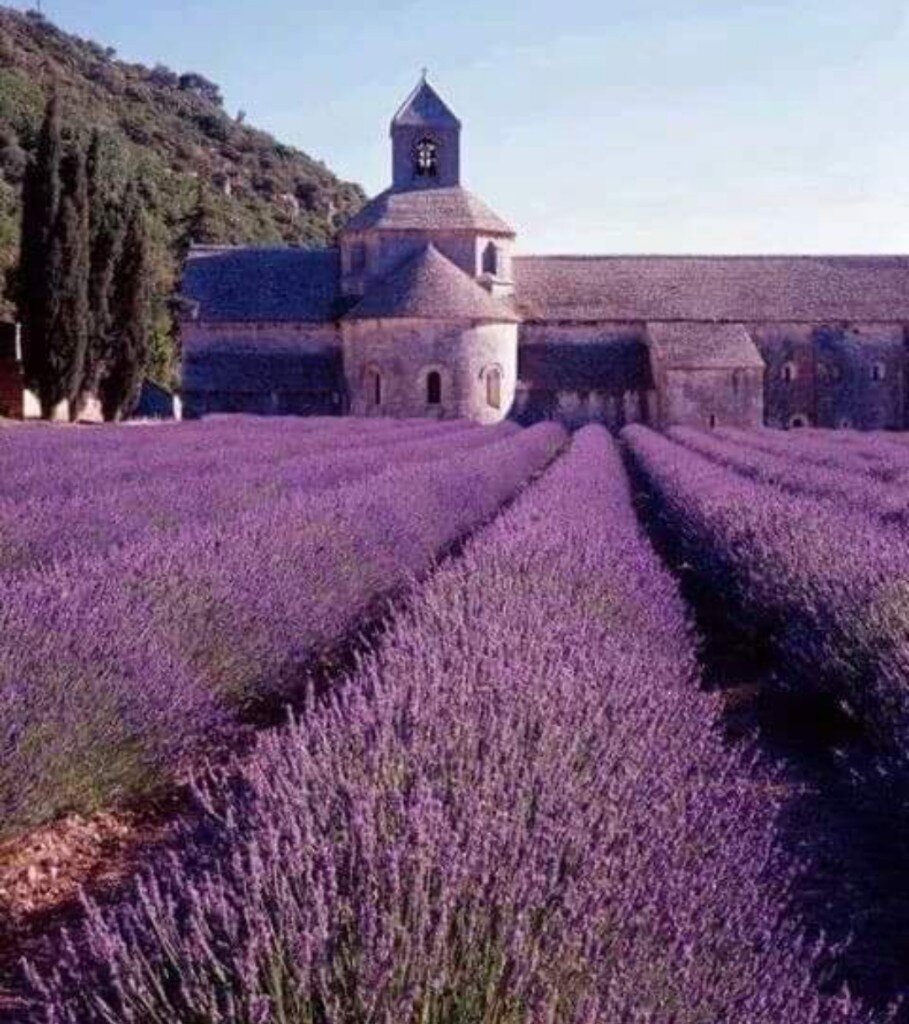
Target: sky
630	126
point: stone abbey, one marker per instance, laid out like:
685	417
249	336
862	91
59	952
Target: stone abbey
424	308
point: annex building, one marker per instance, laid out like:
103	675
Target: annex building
427	308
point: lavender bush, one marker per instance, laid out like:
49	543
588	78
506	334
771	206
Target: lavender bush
112	669
41	461
235	477
844	484
872	455
518	811
826	589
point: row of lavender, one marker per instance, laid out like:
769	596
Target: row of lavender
822	584
234	471
517	810
113	669
869	480
880	456
36	461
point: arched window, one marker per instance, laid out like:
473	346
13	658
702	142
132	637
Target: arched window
878	371
494	387
789	372
426	158
491	259
433	388
712	420
798	420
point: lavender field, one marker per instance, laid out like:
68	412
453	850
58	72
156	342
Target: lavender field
581	729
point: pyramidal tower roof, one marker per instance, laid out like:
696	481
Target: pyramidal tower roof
424	107
430	285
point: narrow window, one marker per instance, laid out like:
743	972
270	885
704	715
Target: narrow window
494	387
374	386
712	421
789	372
491	259
433	388
878	372
426	159
736	380
358	258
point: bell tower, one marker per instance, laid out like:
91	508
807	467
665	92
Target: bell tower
425	142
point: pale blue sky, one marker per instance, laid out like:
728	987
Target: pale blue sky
611	126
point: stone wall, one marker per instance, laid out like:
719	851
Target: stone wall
269	369
383	251
584	373
846	375
403	353
404	140
712	397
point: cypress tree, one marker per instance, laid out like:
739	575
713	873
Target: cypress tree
37	286
68	266
106	228
131	315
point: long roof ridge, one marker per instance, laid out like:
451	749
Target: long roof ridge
713	256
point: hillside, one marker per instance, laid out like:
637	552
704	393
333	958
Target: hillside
176	129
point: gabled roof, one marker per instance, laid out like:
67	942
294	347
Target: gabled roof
741	289
450	208
430	285
703	346
248	284
424	106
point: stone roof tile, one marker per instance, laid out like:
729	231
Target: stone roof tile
247	365
430	285
424	106
276	285
723	288
700	346
447	208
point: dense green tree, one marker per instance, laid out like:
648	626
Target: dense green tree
37	286
69	264
176	133
106	185
131	310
